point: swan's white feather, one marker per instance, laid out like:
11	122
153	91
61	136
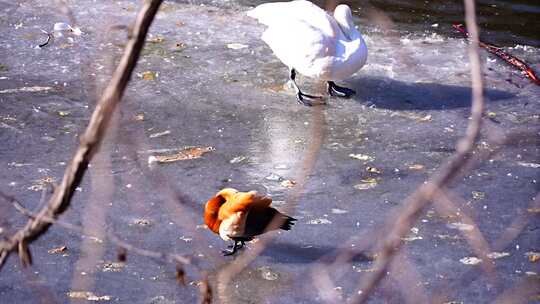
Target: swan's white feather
308	39
271	14
314	60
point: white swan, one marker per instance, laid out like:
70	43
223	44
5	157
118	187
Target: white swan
309	40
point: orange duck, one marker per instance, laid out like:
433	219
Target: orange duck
239	216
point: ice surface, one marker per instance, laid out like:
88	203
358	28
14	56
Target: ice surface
411	105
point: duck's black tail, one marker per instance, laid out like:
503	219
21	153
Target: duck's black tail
266	219
288	222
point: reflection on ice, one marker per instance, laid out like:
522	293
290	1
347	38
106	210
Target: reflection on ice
279	148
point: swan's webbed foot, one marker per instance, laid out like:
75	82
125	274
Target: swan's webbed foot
301	97
237	245
335	90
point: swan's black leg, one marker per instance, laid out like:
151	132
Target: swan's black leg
301	97
335	90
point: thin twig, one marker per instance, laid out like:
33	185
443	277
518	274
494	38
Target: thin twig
445	204
226	275
416	202
363	242
409	279
64	8
205	291
91	138
522	292
508	58
168	257
517	226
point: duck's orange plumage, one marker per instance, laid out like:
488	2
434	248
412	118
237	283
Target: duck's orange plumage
239	216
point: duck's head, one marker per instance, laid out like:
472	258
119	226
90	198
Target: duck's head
213	205
343	17
227	193
211	209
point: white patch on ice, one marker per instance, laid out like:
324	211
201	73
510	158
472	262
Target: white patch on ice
319	221
529	165
470	260
497	255
236	46
339	211
460	226
26	89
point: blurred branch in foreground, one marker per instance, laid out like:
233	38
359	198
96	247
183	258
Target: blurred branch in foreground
508	58
416	202
124	247
90	141
305	168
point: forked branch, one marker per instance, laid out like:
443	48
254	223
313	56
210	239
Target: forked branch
90	140
416	202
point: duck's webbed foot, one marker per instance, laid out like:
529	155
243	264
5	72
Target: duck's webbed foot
335	90
237	245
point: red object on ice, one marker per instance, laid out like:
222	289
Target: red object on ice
499	52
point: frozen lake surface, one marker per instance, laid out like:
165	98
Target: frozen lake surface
206	79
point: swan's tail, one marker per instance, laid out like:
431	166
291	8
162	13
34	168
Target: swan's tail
266	13
270	13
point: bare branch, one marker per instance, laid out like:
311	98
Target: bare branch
225	276
91	138
517	226
206	291
444	203
64	8
416	202
521	293
123	246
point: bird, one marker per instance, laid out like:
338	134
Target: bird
240	216
309	40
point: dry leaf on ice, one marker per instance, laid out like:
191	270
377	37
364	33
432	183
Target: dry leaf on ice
148	75
57	250
416	167
185	154
367	183
363	157
288	183
533	256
